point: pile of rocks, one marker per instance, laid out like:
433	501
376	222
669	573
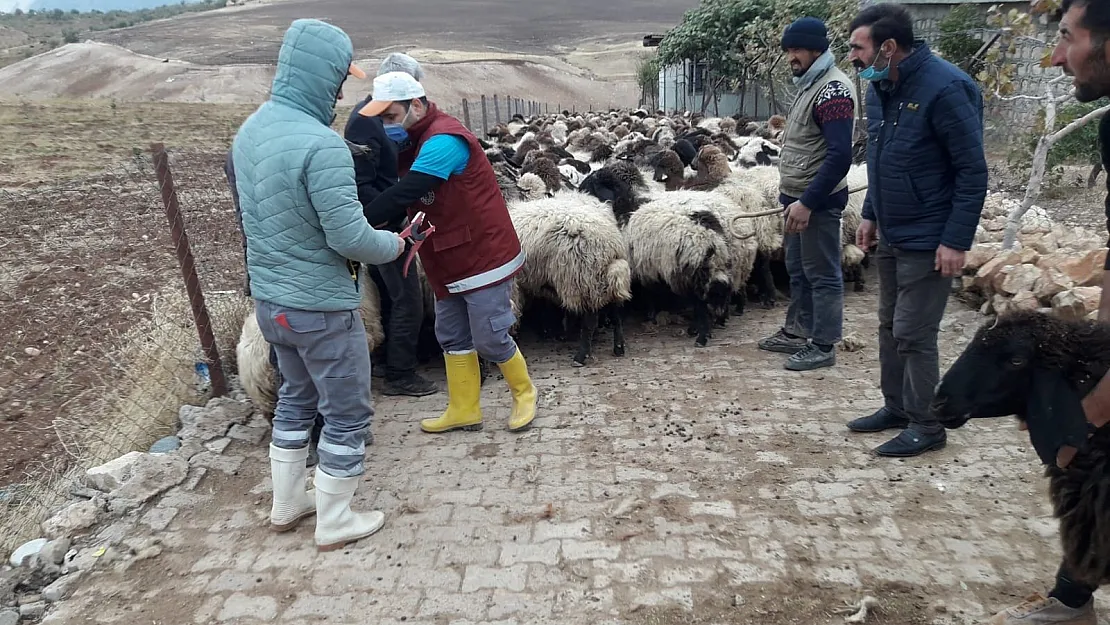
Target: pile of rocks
47	569
1052	268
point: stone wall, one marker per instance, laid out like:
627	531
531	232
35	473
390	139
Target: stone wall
1053	268
1004	121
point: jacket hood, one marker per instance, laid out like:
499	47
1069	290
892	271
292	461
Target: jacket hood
312	64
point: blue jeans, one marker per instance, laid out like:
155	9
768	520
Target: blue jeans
816	309
478	320
325	366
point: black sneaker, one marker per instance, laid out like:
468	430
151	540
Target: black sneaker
412	385
809	358
779	342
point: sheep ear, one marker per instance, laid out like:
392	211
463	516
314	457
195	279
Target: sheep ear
1054	415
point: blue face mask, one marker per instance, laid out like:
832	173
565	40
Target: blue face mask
875	75
396	133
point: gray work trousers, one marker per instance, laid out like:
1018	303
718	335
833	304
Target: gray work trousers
478	320
912	298
405	317
325	367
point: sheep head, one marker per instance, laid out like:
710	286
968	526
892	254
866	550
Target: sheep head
1031	365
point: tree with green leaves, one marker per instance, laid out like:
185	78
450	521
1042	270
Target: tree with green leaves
739	40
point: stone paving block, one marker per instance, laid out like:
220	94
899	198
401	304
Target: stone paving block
438	603
545	553
250	435
509	578
547	530
589	550
240	606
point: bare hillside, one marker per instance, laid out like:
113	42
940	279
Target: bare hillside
97	70
531	26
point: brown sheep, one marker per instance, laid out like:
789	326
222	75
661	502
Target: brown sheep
712	170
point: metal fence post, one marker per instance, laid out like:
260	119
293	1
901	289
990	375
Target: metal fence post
188	269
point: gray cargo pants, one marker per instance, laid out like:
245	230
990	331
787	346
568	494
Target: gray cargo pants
912	298
478	320
325	366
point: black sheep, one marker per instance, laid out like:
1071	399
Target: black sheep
1039	368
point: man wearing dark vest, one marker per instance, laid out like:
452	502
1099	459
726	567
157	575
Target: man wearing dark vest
813	166
472	256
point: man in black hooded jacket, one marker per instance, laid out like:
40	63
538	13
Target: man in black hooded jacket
375	156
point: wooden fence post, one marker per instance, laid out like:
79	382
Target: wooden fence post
485	119
466	114
188	269
496	110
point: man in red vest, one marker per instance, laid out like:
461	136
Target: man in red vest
472	256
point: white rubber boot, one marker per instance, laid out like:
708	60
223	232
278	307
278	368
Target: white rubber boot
336	524
291	501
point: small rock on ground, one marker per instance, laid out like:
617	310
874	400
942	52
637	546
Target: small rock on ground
9	617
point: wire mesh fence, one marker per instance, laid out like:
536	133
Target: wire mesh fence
101	344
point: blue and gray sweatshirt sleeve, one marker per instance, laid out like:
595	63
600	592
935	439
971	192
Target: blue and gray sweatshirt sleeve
835	114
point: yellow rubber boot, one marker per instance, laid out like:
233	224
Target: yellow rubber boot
515	371
464	386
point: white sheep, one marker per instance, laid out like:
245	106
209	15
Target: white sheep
576	258
685	249
257	375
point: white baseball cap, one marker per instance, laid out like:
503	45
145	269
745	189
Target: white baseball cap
389	88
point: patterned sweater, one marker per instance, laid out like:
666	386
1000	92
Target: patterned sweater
834	114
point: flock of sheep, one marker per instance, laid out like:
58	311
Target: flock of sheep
624	209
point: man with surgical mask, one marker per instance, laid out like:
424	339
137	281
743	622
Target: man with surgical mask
470	258
376	171
816	156
927	179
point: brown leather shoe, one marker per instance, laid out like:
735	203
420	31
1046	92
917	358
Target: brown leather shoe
1036	610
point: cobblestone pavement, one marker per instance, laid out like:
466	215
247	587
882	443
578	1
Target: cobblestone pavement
676	485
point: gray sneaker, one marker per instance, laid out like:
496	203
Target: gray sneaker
779	342
809	358
1036	610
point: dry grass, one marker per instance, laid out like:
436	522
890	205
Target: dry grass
99	346
52	140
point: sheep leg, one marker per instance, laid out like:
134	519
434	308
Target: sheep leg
483	370
741	299
586	338
764	280
860	282
614	315
701	322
